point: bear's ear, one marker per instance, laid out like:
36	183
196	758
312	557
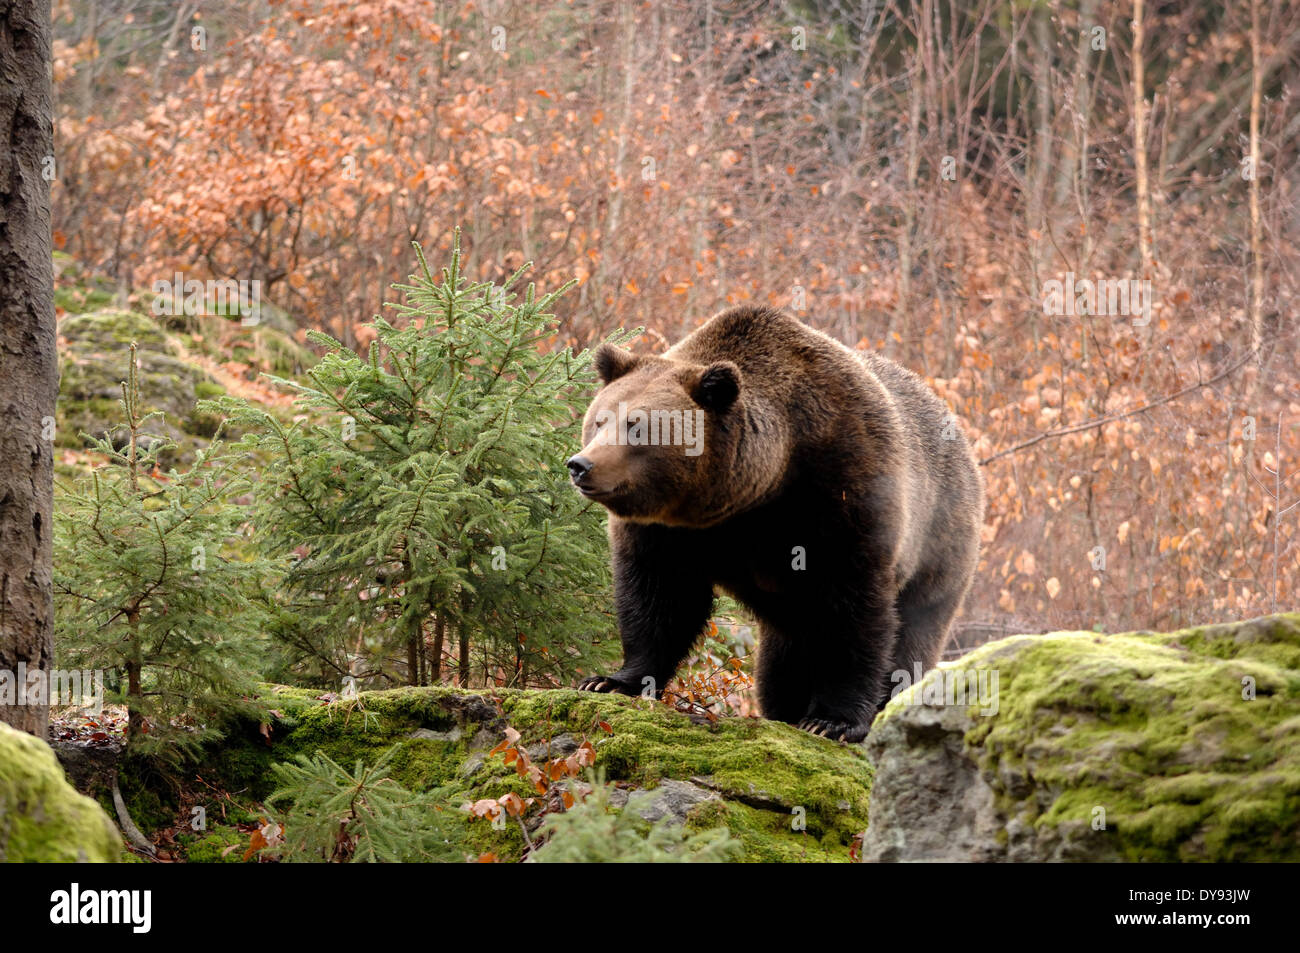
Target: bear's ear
718	386
613	362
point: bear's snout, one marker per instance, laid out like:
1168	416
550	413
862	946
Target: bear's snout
579	466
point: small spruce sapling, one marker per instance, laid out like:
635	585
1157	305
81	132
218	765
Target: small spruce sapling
150	590
362	815
420	500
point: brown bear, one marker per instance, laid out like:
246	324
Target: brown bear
829	490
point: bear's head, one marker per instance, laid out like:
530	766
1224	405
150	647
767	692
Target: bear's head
661	439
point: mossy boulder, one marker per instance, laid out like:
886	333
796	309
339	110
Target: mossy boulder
112	331
95	356
184	359
42	818
1182	746
75	291
786	795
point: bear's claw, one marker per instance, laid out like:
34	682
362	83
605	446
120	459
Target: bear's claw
602	683
834	730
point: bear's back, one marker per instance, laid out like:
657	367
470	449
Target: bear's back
816	379
776	352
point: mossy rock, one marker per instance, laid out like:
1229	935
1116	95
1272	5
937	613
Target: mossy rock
176	354
94	364
1182	746
81	299
65	266
786	795
75	292
112	331
42	818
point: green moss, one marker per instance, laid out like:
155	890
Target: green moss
208	390
42	819
149	796
94	340
761	771
761	762
76	291
1153	728
364	729
769	836
112	330
77	300
94	363
223	845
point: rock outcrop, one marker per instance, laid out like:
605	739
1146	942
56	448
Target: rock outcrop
1071	746
1140	747
96	354
183	359
42	818
786	795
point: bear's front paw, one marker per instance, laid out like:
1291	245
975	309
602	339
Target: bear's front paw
606	683
850	732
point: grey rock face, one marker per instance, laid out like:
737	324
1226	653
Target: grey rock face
672	799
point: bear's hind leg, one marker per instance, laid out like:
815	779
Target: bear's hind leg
842	660
846	698
925	614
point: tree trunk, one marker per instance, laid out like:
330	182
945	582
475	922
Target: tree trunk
424	658
1140	143
135	727
134	698
29	362
1256	255
901	314
462	673
439	636
413	655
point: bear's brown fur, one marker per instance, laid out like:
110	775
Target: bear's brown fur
832	493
